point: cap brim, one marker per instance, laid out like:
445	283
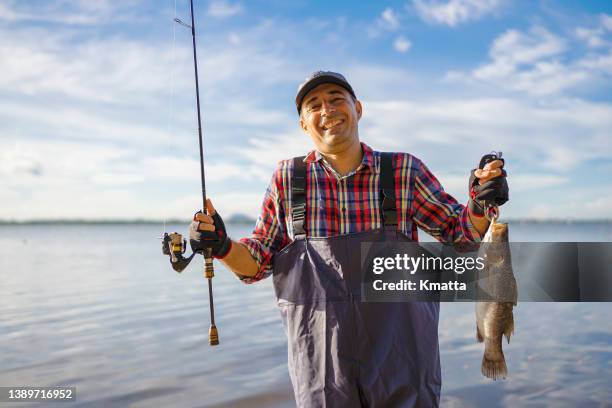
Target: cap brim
320	80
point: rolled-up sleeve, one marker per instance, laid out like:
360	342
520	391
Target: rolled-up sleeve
269	235
437	212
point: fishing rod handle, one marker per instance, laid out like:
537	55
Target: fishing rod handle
209	271
213	335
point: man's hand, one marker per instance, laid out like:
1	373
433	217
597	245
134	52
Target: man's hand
488	186
208	231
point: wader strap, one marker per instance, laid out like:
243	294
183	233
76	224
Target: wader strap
387	189
298	196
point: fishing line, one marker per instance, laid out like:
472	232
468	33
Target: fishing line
170	119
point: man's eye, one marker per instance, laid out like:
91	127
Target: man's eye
337	99
314	107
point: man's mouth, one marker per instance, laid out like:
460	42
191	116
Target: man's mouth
331	123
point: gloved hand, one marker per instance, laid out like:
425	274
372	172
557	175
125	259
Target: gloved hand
208	231
488	186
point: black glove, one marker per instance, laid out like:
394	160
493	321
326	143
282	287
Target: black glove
216	240
492	193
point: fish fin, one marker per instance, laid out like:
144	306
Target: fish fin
509	329
494	369
478	335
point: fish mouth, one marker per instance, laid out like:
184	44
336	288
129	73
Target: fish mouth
499	229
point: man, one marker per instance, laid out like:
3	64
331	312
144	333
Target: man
342	351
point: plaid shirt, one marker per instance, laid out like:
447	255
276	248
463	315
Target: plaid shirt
348	204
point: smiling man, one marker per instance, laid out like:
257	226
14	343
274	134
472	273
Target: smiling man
317	211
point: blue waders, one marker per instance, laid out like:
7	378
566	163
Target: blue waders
344	352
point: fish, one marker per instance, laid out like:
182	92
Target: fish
496	284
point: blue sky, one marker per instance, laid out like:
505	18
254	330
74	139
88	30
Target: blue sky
97	115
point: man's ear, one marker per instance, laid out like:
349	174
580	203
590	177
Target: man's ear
359	108
303	125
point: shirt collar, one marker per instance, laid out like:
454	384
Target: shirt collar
367	161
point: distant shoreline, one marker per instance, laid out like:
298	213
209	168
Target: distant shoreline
251	221
112	222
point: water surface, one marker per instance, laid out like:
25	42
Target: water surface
98	307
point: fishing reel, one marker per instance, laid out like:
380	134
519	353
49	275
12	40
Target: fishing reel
488	158
491	209
175	246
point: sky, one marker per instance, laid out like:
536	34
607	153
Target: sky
97	99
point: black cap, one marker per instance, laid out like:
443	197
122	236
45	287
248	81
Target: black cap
317	78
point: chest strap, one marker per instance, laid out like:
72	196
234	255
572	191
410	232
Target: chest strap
298	193
387	190
298	196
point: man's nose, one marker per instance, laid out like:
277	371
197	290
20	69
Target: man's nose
326	108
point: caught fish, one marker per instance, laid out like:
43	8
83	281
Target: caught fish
496	283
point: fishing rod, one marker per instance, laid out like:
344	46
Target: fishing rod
173	244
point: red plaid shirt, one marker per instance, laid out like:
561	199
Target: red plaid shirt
347	204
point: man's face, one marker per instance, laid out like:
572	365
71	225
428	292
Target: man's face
329	116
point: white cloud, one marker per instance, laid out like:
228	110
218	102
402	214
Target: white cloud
388	21
81	124
606	21
537	63
390	18
50	164
401	44
132	72
561	158
545	143
597	36
7	14
118	90
266	151
227	203
454	12
113	70
597	206
536	181
378	81
90	114
224	9
519	183
548	78
515	47
76	12
233	39
539	136
597	63
88	180
592	37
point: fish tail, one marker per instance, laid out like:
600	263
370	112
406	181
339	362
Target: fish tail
494	368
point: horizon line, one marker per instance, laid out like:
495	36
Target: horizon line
245	220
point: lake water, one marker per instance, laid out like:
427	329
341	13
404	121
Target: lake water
98	307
